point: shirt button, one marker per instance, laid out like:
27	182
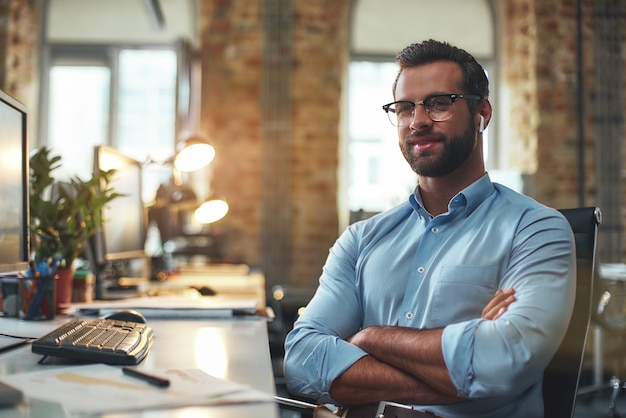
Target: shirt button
434	229
421	270
408	315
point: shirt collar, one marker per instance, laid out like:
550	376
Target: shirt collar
470	197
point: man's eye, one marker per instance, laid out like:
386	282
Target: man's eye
404	107
439	102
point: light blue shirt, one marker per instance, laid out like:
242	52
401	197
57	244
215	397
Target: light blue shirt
406	268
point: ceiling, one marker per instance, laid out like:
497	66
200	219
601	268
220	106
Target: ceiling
383	27
377	27
119	21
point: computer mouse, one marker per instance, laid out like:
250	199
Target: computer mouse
128	315
205	290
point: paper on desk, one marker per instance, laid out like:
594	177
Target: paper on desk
156	307
97	389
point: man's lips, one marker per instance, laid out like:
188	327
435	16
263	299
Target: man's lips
424	142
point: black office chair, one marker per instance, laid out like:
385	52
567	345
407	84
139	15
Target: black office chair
561	377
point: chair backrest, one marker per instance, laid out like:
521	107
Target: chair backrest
560	381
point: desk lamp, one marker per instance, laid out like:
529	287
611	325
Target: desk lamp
193	153
174	200
211	211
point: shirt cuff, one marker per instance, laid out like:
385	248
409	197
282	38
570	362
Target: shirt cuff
327	360
457	343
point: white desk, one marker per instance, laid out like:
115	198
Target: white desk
235	350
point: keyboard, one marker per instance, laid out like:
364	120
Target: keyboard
97	340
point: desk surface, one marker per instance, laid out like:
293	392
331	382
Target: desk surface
228	281
235	350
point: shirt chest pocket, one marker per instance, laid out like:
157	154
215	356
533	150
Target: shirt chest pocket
461	292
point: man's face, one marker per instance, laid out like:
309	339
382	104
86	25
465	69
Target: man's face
435	149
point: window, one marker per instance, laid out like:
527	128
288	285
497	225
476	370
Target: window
123	97
78	110
146	111
379	177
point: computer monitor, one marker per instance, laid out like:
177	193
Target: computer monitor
14	214
123	233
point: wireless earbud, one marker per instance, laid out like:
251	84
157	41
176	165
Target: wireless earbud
481	126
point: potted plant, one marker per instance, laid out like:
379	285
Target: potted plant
64	215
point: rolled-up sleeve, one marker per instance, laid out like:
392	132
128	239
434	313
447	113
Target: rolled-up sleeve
496	358
316	350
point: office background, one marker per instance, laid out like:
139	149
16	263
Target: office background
269	85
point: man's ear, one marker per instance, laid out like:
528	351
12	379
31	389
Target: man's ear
484	112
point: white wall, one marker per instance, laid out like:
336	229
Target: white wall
118	21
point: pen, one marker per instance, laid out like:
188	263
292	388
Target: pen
161	382
16	344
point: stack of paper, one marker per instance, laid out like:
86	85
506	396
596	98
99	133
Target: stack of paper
109	390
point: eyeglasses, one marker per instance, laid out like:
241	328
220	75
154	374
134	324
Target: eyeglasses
438	106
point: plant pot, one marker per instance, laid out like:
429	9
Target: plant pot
64	284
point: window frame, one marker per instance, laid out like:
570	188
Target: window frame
106	55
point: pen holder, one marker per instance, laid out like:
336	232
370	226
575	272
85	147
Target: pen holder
37	297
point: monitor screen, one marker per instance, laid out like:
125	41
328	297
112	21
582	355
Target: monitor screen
14	218
123	232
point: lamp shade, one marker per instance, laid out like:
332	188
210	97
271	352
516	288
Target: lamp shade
193	154
211	211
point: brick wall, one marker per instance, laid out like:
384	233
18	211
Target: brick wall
230	37
231	33
519	75
557	106
18	50
541	61
320	61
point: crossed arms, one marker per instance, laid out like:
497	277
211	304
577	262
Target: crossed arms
404	364
363	339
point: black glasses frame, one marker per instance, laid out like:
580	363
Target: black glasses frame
389	107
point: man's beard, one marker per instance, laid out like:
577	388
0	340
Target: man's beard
456	150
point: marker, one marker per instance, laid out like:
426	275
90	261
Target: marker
161	382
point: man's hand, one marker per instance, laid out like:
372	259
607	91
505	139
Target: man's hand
498	304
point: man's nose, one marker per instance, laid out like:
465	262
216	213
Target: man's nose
420	118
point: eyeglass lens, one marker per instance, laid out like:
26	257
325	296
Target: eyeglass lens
438	108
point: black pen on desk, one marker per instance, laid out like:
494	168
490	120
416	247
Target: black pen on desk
16	344
161	382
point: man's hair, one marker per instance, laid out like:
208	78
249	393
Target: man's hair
474	78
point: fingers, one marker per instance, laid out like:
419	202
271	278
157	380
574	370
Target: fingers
499	304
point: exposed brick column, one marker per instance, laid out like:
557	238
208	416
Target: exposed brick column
541	75
19	51
321	54
233	117
4	37
276	138
550	102
520	77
